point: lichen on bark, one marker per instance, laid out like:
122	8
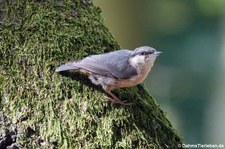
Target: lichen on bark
40	108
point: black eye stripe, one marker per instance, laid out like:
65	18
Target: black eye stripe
150	52
142	53
145	52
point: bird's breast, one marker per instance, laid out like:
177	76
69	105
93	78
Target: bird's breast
137	79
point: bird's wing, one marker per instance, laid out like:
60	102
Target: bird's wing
113	64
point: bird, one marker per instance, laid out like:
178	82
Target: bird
116	69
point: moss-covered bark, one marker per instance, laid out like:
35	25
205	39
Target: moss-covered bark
40	108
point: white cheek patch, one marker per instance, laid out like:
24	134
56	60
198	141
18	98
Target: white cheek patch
150	62
152	59
137	60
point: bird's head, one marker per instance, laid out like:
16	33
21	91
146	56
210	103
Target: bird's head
143	55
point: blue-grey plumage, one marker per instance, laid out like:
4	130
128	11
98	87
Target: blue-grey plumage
108	64
122	68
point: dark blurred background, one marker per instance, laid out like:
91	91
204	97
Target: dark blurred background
188	79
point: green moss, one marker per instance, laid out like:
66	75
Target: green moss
48	110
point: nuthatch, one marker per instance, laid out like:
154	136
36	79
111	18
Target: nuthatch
117	69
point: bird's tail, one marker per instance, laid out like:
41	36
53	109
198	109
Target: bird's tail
67	66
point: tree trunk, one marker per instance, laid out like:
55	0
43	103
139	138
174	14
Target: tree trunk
40	108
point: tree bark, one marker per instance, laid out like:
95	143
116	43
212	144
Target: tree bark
42	109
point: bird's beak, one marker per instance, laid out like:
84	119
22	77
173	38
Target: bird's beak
157	53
